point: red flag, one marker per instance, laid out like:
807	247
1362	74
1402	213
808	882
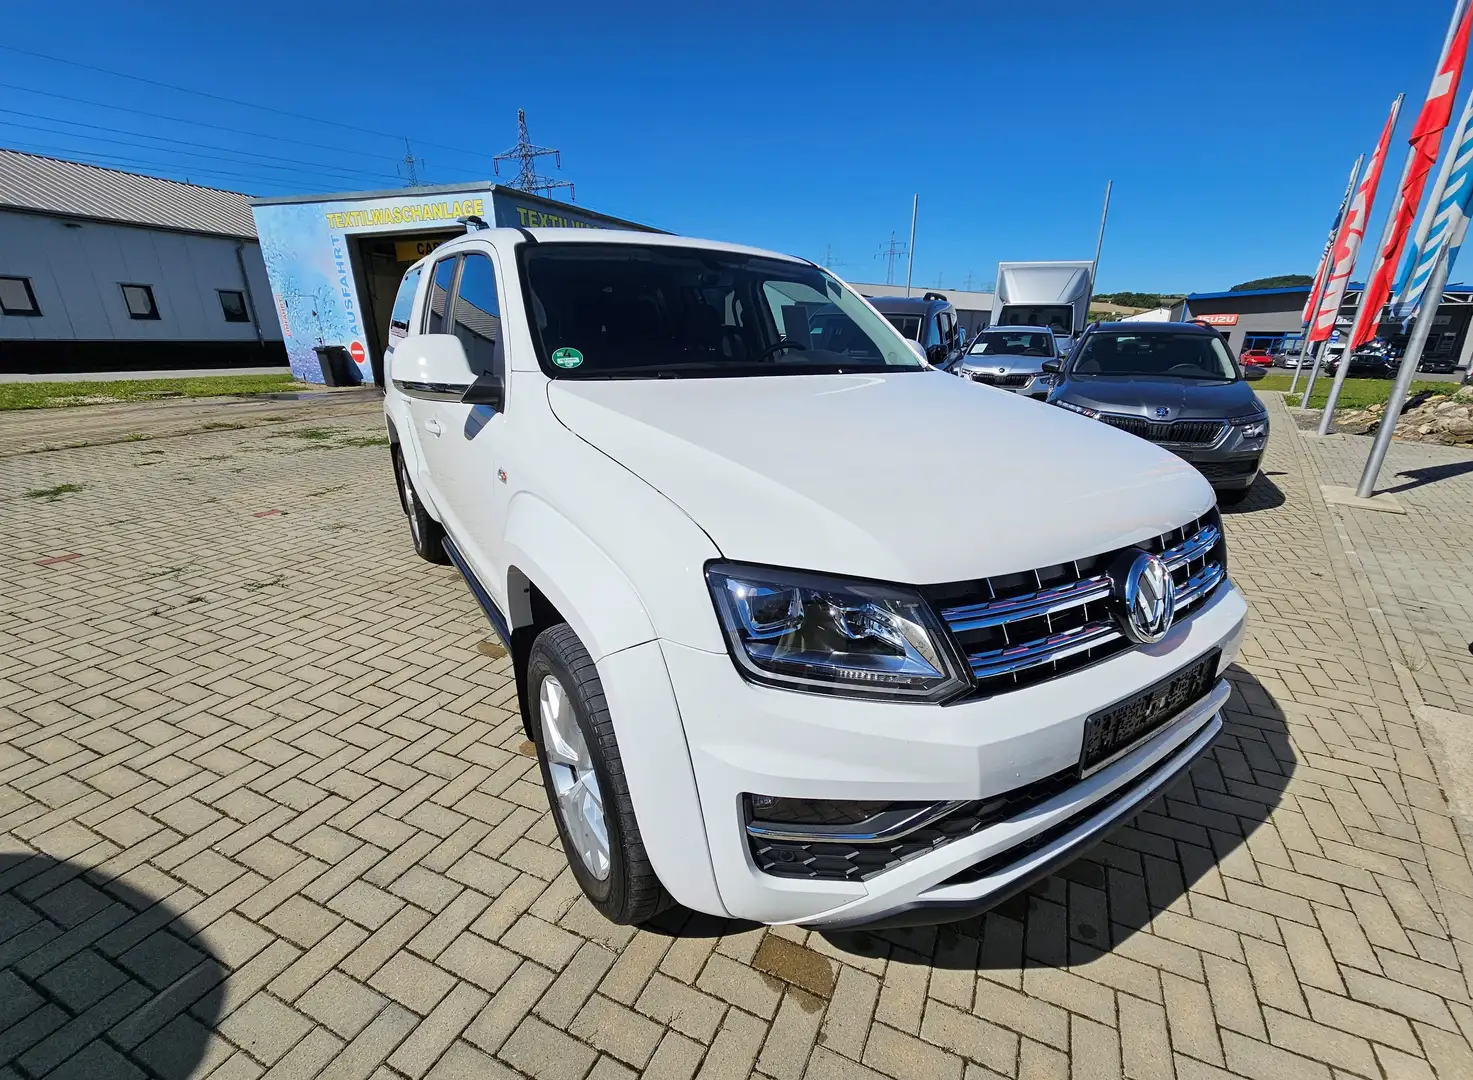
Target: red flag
1347	244
1426	140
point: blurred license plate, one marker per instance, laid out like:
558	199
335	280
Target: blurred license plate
1119	727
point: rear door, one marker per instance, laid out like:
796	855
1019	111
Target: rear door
427	421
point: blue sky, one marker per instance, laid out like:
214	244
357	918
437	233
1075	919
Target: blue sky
1228	129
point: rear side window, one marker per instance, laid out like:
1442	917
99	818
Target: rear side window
477	314
404	305
440	295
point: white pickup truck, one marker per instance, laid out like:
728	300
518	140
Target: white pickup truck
804	630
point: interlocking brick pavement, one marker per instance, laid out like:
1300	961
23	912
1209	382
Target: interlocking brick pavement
266	811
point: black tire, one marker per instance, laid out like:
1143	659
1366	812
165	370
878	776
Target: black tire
425	531
631	892
1234	496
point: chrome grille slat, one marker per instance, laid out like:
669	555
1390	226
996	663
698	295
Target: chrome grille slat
1180	432
1021	638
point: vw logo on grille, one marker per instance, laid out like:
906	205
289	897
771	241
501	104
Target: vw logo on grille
1162	412
1145	597
1002	371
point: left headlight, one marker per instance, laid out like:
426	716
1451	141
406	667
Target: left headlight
1252	427
824	635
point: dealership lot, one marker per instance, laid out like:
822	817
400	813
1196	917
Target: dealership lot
266	809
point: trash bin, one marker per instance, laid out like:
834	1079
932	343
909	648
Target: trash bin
338	368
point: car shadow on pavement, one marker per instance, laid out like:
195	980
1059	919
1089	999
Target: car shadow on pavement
1096	903
1263	495
98	979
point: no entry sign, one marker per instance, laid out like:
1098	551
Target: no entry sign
358	352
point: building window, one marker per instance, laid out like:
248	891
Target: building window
139	299
232	303
16	297
1264	341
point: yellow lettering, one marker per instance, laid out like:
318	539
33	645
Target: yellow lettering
480	207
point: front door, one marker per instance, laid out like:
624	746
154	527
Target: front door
470	447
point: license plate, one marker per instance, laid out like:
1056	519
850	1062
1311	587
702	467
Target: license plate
1123	725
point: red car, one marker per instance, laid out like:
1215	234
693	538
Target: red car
1256	358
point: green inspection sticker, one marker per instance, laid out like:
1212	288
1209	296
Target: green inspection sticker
567	358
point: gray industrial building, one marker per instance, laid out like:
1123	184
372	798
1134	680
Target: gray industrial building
1261	318
108	270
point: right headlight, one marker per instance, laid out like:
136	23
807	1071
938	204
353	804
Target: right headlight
827	635
1254	426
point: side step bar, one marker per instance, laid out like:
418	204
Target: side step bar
493	613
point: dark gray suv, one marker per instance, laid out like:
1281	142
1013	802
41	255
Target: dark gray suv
1175	384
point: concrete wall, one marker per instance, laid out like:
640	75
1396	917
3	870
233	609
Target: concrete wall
75	268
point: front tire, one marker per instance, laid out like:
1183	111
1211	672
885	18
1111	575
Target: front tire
425	531
585	782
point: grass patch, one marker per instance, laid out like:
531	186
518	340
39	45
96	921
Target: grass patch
256	586
49	395
51	494
221	425
325	491
1355	394
314	434
366	440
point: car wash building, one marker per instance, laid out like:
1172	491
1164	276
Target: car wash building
335	261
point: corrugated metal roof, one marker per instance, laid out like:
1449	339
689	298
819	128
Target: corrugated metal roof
71	189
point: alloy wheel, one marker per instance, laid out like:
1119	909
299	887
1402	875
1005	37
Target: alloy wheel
570	766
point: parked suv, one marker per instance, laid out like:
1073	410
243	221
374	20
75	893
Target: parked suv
1176	385
1010	357
756	683
929	320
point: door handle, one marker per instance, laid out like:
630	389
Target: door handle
433	426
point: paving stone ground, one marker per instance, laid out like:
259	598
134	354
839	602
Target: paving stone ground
266	811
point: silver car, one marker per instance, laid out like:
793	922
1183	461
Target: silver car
1010	358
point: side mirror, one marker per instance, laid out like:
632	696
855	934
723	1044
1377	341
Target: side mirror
432	366
1053	367
937	354
1254	373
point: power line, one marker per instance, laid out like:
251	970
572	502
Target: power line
214	127
231	101
313	168
344	169
91	157
890	252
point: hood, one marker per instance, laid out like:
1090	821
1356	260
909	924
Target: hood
1002	363
1182	398
914	477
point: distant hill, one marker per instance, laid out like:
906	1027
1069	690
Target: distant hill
1283	281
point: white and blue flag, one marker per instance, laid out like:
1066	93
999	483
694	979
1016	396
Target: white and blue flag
1448	224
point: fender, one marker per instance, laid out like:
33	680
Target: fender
594	595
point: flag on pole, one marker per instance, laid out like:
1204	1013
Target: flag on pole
1426	140
1311	302
1442	219
1347	246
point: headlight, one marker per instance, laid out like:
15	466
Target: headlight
1251	427
827	635
1093	414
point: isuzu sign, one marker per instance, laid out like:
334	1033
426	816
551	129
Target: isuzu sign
1218	320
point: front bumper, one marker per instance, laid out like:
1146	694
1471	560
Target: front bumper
751	739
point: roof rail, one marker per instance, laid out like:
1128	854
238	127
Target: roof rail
934	296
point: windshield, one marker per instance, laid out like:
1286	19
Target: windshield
908	325
633	311
1001	343
1180	356
1057	317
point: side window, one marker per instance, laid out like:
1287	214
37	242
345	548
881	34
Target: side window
477	313
404	306
439	296
932	331
948	329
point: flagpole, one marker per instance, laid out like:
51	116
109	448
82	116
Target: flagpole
1424	225
1361	313
1418	342
910	249
1318	293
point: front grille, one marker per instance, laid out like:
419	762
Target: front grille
1000	380
1020	629
1184	432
